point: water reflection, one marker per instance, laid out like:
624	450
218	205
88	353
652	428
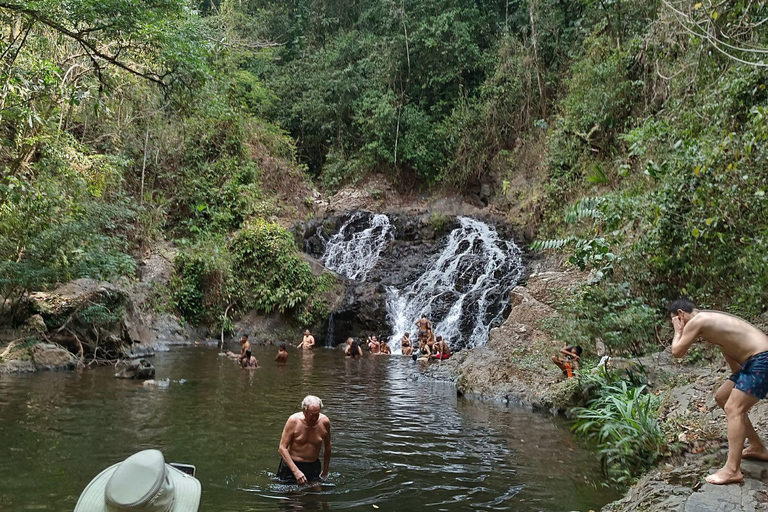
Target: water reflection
397	444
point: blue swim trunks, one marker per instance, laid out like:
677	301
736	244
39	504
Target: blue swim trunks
753	376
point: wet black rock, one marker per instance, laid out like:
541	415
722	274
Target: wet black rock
415	243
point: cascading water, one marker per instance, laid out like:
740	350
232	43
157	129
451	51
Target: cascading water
463	289
464	292
353	253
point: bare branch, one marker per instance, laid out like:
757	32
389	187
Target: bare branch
81	37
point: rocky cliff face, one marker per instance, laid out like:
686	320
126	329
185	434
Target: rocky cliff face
515	366
416	240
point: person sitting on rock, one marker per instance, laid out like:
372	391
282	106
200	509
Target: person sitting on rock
568	359
424	353
384	348
442	351
405	345
431	346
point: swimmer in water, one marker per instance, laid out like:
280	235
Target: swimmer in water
282	354
384	348
353	349
304	435
373	344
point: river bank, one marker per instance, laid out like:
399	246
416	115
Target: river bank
515	367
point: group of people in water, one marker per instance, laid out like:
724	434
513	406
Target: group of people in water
246	359
429	346
426	347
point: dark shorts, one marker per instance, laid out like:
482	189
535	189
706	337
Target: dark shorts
311	470
753	376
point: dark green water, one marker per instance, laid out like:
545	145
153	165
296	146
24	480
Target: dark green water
397	445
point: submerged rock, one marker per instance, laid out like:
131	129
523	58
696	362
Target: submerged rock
138	369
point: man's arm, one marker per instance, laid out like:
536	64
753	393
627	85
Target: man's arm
285	443
311	342
685	335
326	451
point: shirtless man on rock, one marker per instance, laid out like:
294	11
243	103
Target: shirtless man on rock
304	434
745	348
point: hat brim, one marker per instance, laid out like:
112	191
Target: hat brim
187	491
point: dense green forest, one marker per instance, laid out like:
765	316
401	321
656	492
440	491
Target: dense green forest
640	129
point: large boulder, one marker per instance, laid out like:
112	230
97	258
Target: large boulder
27	355
49	356
91	317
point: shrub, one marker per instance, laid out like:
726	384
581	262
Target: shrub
622	419
606	311
271	275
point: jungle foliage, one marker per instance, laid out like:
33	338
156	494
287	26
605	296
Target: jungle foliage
125	122
647	118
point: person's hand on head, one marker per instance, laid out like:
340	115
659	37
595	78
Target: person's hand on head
677	323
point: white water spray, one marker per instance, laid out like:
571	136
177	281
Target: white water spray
465	289
353	253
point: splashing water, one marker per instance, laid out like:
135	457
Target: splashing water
464	292
353	253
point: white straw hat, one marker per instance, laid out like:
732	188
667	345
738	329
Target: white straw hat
141	483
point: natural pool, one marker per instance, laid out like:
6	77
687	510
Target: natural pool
397	444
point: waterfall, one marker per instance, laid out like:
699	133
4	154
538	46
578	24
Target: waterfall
352	252
463	292
329	334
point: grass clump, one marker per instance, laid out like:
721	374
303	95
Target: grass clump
622	419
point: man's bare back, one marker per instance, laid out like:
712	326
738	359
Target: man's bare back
738	339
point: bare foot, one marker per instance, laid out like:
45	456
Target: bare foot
751	452
725	476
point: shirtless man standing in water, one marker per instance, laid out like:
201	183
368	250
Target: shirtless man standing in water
303	435
308	341
745	348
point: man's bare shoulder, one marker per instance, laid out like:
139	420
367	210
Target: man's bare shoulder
295	418
713	317
324	419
